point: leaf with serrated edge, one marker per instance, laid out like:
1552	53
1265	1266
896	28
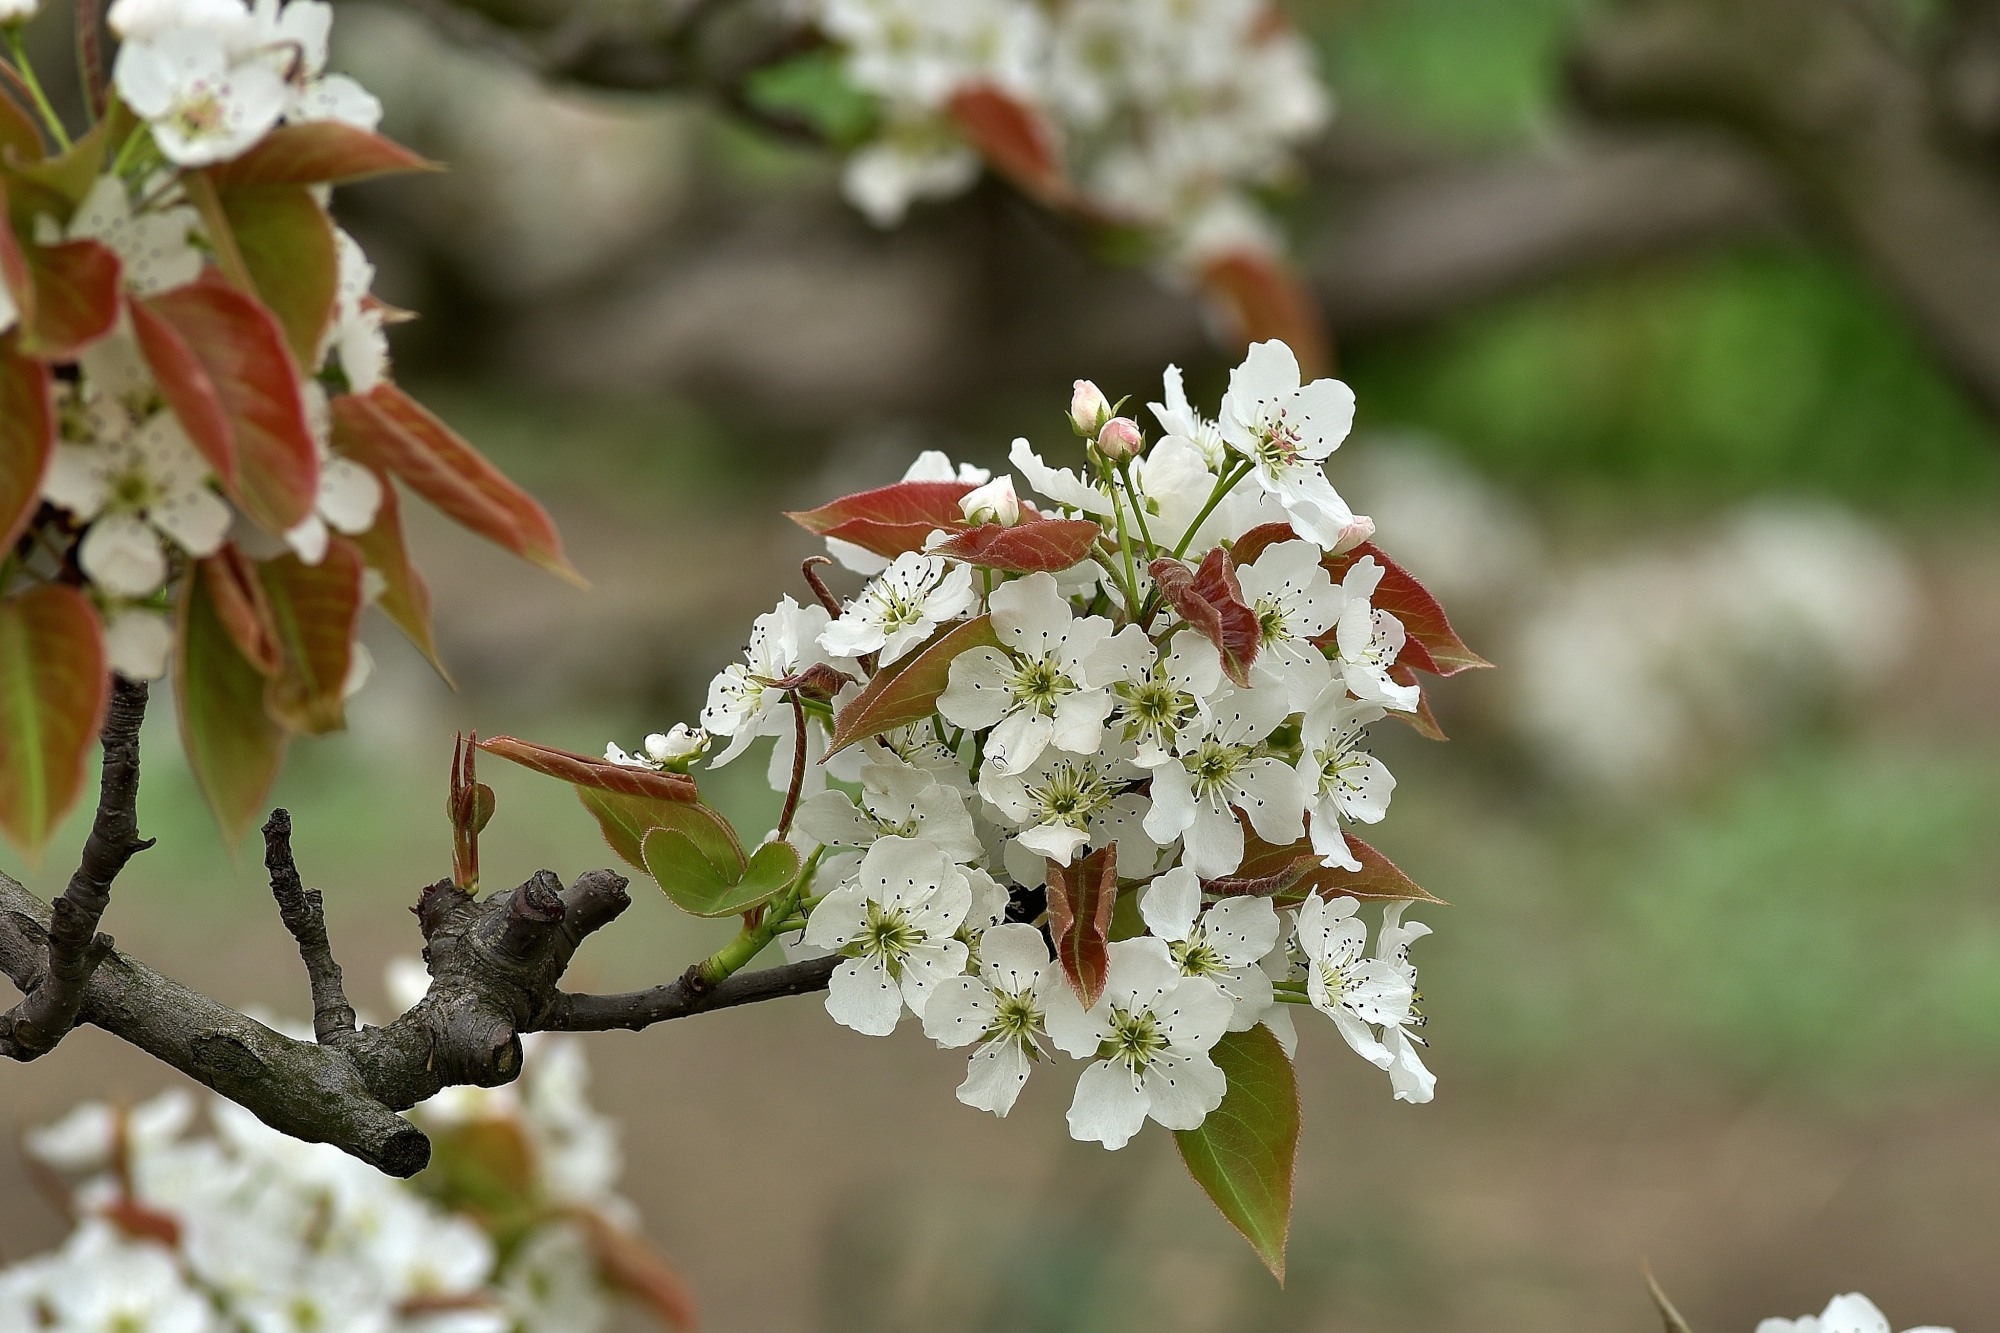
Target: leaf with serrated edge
233	746
315	610
1377	878
699	886
1245	1153
889	520
584	771
53	690
243	350
907	691
27	437
1035	546
1082	899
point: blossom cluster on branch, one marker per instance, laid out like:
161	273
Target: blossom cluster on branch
1079	774
204	1220
1163	119
198	424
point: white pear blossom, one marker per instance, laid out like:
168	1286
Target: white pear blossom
894	924
155	248
355	337
742	704
1048	684
1154	704
1370	641
1341	780
902	607
1227	943
134	487
896	799
1295	602
207	91
1148	1037
1061	485
1286	430
1178	418
1851	1313
674	748
1218	768
16	11
349	495
1002	1009
1064	802
1410	1080
300	27
1355	990
100	1280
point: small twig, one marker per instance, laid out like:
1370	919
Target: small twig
304	913
90	56
798	765
810	568
49	1009
684	997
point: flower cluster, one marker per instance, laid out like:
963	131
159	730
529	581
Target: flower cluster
186	1228
1149	113
1852	1313
1082	777
198	428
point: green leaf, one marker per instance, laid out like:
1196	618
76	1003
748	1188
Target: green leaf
53	689
27	436
18	133
699	885
1244	1153
811	88
315	610
907	691
286	243
233	745
626	819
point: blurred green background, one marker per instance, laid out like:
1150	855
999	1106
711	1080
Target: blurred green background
1719	987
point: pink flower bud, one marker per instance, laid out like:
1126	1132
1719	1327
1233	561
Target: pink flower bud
1120	440
995	502
1089	409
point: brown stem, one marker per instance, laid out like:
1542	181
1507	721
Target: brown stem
303	911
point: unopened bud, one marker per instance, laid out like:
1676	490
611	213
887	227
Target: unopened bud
995	502
1120	440
1089	409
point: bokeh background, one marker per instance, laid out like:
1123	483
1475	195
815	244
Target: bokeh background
1719	985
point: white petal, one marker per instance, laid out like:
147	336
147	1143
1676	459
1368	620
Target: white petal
1076	1031
994	1077
1269	375
139	643
1412	1082
958	1012
1213	843
1182	1090
1079	722
308	540
1029	614
975	693
1278	1018
1271	796
1013	957
349	494
123	557
1109	1106
1170	903
197	519
1018	741
1173	809
1241	930
862	995
1194	1013
928	966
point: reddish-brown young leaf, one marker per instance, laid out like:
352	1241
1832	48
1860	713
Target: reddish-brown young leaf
1211	599
249	364
596	774
1245	549
907	690
240	604
390	431
1081	900
627	1264
73	301
27	436
1295	871
315	610
1244	1154
1433	646
54	686
406	599
1265	299
315	153
1033	546
889	520
233	745
185	384
285	241
1015	139
15	278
